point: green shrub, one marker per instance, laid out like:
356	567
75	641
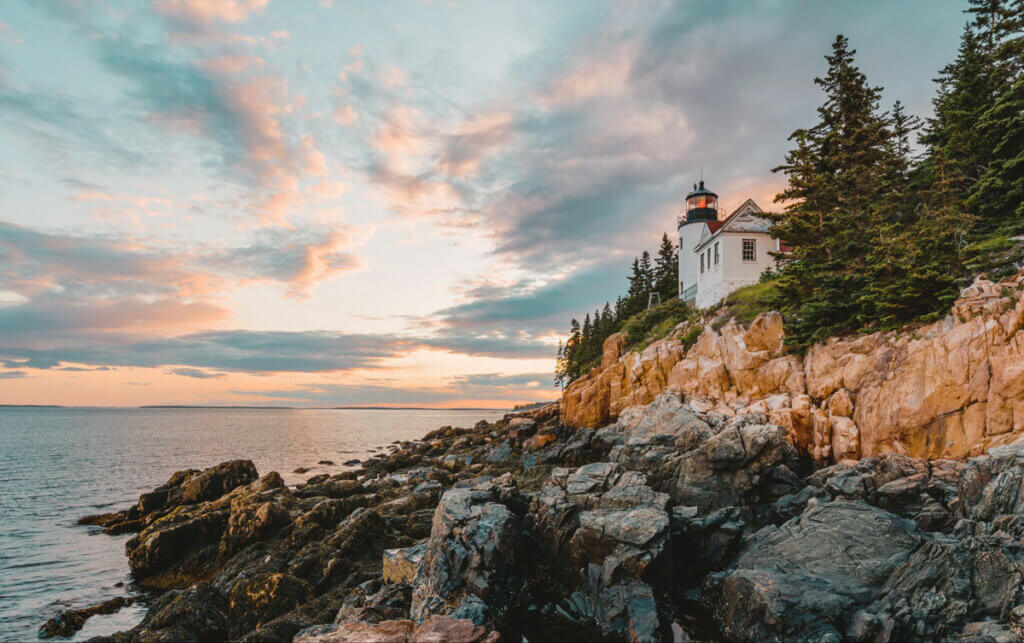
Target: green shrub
654	323
691	336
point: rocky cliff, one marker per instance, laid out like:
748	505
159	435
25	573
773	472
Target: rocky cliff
952	388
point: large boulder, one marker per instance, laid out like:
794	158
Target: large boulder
469	567
806	579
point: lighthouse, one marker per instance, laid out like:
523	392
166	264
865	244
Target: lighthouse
699	216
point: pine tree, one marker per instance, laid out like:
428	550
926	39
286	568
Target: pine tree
666	269
834	175
998	195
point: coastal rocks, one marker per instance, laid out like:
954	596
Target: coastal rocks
70	621
781	587
469	567
188	537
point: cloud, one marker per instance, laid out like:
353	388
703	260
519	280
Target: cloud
205	12
13	375
63	283
298	259
232	350
196	373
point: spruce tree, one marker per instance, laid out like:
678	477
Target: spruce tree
647	275
834	175
998	195
666	270
636	297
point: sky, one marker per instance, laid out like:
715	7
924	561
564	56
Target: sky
317	202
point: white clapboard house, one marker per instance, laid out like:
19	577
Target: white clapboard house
717	256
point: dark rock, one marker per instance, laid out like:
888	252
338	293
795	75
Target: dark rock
329	463
216	481
355	462
471	553
70	621
263	597
779	589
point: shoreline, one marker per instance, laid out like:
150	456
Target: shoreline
670	523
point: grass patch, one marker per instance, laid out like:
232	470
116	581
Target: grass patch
748	302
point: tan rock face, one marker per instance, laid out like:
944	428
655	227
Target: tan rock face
949	389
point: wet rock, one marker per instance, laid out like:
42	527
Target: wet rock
805	579
355	462
329	463
70	621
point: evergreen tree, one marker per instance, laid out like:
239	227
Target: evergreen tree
998	195
666	269
636	297
647	275
834	176
608	322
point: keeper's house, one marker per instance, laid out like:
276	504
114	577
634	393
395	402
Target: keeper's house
718	256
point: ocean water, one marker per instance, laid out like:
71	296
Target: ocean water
57	465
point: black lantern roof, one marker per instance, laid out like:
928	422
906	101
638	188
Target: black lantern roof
700	190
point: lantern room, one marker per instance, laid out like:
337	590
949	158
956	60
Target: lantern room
701	204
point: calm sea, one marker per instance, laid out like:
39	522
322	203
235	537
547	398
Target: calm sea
57	465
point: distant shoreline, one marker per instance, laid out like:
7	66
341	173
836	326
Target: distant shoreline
263	408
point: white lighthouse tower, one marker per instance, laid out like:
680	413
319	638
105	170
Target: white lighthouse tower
700	216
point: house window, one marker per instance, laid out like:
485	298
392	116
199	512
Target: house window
716	253
702	263
749	250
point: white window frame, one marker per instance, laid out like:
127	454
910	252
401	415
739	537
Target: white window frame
752	251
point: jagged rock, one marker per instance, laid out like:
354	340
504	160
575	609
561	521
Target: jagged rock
608	527
216	481
806	579
471	554
199	613
916	489
743	463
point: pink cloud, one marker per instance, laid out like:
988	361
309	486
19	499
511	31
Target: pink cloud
346	115
230	64
204	12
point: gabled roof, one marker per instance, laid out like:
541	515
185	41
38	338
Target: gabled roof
743	219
